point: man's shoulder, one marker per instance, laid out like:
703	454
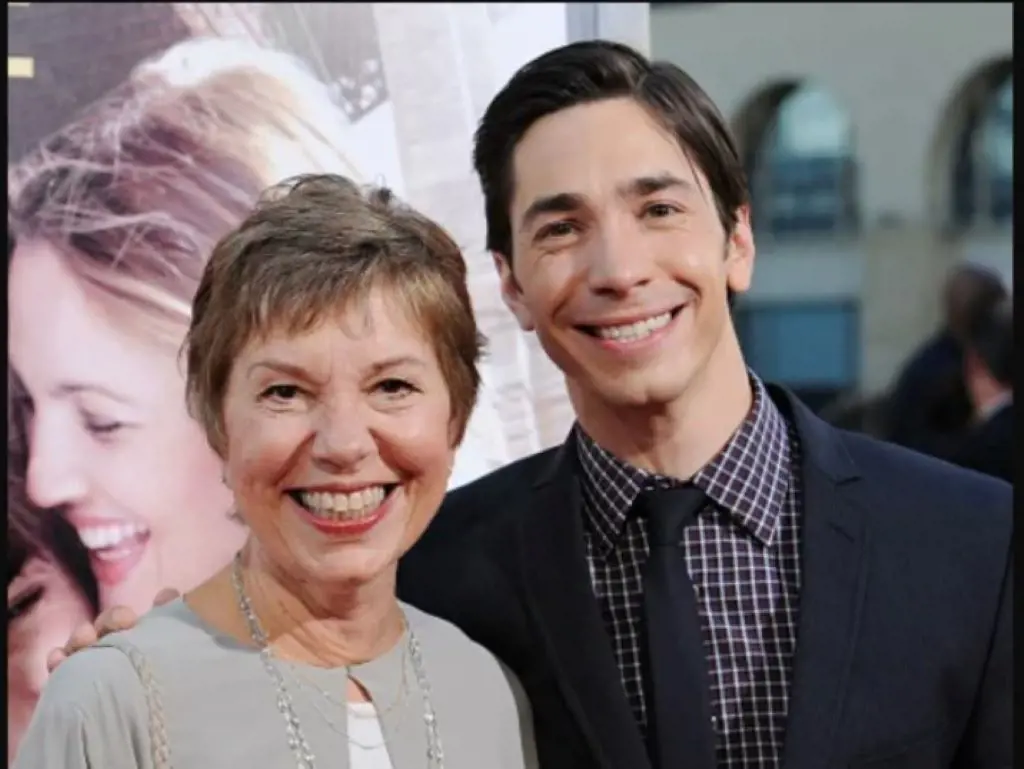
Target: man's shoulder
493	499
518	476
906	485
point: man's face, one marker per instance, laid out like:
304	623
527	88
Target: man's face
620	262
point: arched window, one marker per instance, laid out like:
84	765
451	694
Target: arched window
983	163
803	171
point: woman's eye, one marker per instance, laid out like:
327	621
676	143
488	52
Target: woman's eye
102	427
395	387
281	392
24	602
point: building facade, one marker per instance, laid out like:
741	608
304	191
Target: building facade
878	141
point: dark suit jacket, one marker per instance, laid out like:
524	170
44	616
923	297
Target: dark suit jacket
904	647
989	447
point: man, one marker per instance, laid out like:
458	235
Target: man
929	409
834	601
988	373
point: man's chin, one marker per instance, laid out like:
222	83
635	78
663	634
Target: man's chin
640	392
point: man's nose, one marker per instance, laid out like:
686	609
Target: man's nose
618	261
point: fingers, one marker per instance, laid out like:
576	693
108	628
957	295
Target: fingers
111	621
54	658
81	637
166	595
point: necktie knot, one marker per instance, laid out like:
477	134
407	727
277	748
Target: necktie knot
668	511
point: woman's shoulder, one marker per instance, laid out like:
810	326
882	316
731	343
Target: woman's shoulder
449	647
98	678
437	633
106	675
474	682
92	706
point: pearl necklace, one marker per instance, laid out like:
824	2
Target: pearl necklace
304	757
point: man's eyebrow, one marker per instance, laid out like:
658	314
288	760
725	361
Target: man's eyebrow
648	185
559	203
567	202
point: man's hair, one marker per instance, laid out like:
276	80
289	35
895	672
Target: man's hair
312	245
990	337
592	71
970	292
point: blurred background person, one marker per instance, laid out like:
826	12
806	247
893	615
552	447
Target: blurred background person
988	374
930	408
115	216
50	586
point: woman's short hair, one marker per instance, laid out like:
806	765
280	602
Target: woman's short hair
137	189
312	244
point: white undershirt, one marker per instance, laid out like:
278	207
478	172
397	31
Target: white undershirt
364	730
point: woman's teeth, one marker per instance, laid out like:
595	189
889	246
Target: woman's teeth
633	332
343	507
106	540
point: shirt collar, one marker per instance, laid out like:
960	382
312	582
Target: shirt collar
748	478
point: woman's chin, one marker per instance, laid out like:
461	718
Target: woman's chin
352	565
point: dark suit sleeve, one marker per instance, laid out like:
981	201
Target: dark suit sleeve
988	742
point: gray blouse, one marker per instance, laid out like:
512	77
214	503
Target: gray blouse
219	705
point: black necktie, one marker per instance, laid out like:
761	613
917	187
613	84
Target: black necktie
676	681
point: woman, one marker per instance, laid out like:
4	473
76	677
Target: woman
50	587
331	362
116	215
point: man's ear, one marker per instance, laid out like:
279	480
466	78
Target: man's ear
511	293
739	253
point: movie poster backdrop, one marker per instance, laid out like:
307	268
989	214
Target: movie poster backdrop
113	492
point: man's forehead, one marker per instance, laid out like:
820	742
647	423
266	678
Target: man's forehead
596	147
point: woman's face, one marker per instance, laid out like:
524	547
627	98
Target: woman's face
43	607
339	443
111	441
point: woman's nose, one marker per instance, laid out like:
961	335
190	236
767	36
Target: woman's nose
343	438
55	475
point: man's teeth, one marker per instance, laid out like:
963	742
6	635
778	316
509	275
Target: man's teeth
110	535
343	507
634	331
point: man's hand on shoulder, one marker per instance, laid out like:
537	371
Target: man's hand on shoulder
109	621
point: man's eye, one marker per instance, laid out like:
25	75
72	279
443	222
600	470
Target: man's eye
660	210
557	230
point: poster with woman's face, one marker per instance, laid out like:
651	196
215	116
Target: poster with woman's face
113	490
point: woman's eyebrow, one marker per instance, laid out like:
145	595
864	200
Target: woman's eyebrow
69	389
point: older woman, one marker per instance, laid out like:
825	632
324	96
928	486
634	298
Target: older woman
331	361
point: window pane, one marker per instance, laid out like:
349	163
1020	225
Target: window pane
802	345
803	175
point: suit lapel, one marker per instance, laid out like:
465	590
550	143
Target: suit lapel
562	603
833	550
